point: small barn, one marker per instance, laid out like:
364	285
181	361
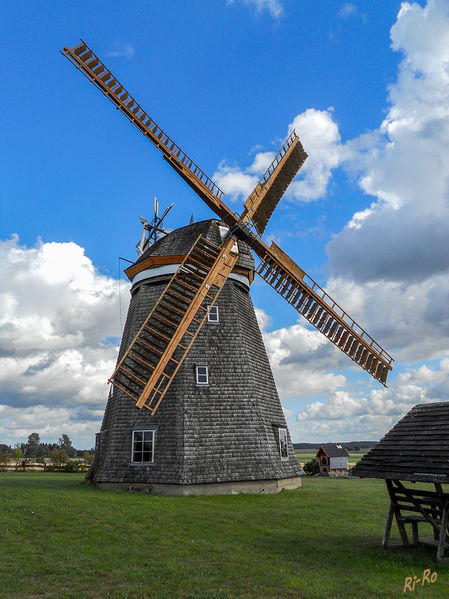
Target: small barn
415	450
333	459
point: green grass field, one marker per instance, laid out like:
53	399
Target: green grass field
60	538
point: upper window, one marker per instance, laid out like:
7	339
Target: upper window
202	375
212	314
143	446
283	444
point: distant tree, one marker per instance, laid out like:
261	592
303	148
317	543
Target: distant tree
65	443
4	457
49	448
59	456
312	467
17	453
32	445
33	439
88	457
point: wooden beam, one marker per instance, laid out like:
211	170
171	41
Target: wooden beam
397	513
269	190
82	56
216	276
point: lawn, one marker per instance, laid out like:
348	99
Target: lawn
60	538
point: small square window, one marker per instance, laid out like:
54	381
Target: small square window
212	314
202	375
283	444
143	447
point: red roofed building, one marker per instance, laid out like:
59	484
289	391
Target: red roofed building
333	459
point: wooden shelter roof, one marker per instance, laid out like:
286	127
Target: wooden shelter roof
415	449
333	450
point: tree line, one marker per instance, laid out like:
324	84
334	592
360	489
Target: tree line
34	450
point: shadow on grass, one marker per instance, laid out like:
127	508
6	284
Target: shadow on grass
44	480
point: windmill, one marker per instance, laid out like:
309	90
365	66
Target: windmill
202	260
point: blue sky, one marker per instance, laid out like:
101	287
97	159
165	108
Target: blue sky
365	85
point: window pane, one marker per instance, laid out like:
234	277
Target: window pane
202	375
213	314
283	447
143	446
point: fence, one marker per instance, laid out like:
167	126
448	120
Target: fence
25	466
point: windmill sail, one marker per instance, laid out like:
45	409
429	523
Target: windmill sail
310	300
278	269
269	190
150	363
90	65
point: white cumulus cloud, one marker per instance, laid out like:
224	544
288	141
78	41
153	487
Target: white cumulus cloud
59	324
370	416
394	254
389	267
320	137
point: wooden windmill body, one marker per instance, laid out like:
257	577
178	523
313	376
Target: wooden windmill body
220	437
210	413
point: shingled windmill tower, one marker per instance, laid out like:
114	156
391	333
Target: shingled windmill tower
220	427
192	356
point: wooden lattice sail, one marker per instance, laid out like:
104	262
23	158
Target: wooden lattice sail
167	334
153	360
276	267
269	190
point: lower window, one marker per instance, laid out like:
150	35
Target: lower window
143	446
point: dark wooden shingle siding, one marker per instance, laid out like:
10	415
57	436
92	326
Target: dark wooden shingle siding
415	449
216	433
180	241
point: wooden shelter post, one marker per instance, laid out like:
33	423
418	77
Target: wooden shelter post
431	507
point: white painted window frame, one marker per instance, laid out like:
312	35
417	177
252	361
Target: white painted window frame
211	311
198	374
153	440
